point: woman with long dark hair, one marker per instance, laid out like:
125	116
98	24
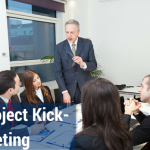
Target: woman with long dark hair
35	95
102	126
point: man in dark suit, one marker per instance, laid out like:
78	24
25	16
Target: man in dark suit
73	61
9	101
141	133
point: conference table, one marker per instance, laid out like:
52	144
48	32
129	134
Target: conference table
55	140
130	91
78	127
61	132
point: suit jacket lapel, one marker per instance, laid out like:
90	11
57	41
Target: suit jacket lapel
79	46
1	101
38	99
3	104
67	48
45	99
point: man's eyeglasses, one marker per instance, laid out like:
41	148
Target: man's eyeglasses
71	57
70	54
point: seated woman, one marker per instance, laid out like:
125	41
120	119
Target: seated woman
35	95
102	127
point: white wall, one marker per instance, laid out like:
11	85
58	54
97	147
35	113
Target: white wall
59	30
4	61
78	10
120	31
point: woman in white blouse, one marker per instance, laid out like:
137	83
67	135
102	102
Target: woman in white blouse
35	95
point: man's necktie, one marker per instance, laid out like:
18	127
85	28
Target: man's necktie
73	49
10	108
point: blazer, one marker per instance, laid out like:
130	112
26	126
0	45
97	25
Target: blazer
67	76
85	142
141	133
6	128
29	106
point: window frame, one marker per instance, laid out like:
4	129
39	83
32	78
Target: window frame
22	15
61	1
34	17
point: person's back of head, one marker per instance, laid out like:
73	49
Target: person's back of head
101	109
7	81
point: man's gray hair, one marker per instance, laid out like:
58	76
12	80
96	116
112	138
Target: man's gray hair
72	21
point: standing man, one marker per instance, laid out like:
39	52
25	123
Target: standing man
73	61
141	133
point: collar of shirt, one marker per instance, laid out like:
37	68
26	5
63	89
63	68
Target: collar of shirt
38	91
39	94
74	43
5	100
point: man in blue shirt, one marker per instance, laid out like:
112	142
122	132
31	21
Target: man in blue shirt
9	101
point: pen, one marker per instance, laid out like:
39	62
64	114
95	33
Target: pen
47	130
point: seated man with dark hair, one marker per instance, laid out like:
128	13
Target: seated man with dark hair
141	133
9	101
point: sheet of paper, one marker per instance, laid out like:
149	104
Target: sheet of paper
53	125
61	141
41	136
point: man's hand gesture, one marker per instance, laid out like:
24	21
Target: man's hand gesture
132	105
